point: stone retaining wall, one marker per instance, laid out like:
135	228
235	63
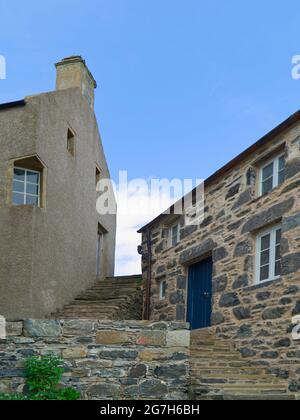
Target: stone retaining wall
104	359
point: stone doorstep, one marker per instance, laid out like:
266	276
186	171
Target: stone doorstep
271	397
210	357
237	378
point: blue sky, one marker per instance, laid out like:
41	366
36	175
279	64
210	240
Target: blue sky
184	86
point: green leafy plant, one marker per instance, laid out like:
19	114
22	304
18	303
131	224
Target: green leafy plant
13	397
43	375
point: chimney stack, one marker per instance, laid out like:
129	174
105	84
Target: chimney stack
73	72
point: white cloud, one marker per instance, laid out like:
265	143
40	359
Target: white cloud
135	209
139	202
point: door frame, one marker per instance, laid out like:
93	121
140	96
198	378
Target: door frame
187	272
99	252
101	232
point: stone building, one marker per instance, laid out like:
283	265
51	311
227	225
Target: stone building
53	242
237	275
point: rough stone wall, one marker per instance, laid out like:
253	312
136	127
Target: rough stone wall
257	317
103	359
133	308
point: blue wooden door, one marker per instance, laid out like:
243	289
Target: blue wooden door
200	295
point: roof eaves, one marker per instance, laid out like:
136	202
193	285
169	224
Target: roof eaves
242	156
15	104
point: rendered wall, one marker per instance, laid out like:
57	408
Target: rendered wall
48	255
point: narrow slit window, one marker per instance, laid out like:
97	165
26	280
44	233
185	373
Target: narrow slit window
174	235
71	142
272	174
98	177
269	255
163	289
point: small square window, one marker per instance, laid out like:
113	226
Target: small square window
163	289
71	142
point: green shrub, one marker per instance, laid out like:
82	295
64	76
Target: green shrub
13	397
68	394
43	375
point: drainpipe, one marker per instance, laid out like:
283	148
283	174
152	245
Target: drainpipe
147	311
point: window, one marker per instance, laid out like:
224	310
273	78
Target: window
26	187
71	142
162	289
269	255
174	235
98	176
272	174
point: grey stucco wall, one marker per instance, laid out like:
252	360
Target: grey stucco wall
48	255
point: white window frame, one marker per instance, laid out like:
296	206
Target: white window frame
161	295
171	245
272	231
25	187
275	161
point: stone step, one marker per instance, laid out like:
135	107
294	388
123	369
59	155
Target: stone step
89	305
89	309
201	350
228	371
110	301
135	277
217	356
92	317
85	310
77	315
107	299
218	371
249	397
243	389
243	380
271	397
98	297
106	294
130	284
112	286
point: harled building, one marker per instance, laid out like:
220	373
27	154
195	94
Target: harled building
53	242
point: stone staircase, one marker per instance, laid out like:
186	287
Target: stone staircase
118	298
219	372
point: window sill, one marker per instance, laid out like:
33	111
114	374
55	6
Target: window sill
262	285
168	249
25	206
